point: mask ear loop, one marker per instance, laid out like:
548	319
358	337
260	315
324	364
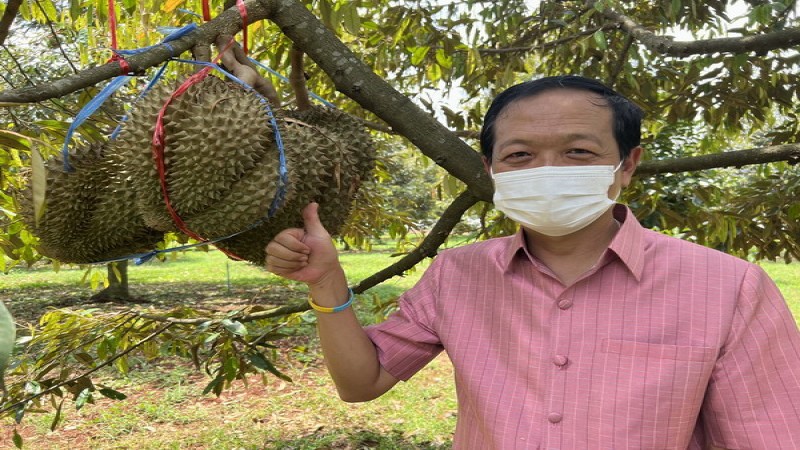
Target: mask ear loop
619	165
616	197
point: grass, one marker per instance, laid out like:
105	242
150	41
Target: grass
787	277
166	409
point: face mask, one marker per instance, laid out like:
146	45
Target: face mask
555	200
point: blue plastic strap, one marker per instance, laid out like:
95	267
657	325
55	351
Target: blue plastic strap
87	111
147	88
286	80
173	34
283	174
191	13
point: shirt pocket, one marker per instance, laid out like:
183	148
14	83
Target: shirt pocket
658	351
649	394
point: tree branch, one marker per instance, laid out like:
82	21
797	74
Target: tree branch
782	39
228	22
546	45
86	374
356	80
12	7
429	246
739	158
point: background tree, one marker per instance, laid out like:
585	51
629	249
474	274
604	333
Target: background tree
721	131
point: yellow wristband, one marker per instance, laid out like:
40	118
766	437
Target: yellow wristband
326	309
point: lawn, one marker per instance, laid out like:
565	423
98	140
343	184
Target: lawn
166	409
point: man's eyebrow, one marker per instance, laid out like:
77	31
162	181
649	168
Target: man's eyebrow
582	136
504	144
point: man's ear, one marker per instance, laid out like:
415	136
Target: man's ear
487	165
630	164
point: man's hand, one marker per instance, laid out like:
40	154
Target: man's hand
307	255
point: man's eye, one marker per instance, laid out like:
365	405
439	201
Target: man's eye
517	155
580	152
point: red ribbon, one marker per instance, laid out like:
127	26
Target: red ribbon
112	23
206	11
158	156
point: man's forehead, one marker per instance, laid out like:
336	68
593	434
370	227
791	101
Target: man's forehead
561	95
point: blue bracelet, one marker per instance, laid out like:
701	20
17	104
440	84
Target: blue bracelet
335	309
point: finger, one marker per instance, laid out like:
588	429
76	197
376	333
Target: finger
291	239
311	220
278	251
282	266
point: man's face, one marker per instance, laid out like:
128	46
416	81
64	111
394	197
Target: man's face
559	127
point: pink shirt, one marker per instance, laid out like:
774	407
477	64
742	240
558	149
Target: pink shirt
664	344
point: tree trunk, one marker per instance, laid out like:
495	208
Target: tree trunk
117	288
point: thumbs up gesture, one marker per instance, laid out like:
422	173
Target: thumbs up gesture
304	254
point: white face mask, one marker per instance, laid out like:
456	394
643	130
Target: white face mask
555	200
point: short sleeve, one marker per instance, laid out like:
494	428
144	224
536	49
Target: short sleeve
408	340
753	397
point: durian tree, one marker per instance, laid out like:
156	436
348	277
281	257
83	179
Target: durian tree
718	82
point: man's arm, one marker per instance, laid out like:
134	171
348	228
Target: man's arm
753	398
308	255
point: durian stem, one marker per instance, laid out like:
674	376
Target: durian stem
201	52
297	79
237	63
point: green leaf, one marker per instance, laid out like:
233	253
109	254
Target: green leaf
112	394
85	358
214	385
211	338
443	59
20	413
8	334
234	327
83	397
38	183
13	140
794	211
17	439
350	18
600	39
418	54
75	9
57	417
258	360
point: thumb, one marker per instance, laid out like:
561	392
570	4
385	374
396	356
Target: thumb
311	221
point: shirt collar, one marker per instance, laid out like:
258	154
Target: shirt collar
628	244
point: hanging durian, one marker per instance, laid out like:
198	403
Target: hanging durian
89	214
222	163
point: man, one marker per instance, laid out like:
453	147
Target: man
584	330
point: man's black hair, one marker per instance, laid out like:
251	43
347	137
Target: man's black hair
627	116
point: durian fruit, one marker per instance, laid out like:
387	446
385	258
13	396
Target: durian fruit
89	214
329	155
215	133
222	164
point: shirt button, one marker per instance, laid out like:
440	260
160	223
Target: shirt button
565	303
560	360
554	417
